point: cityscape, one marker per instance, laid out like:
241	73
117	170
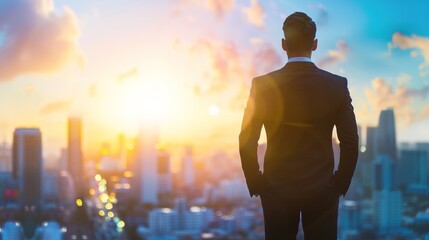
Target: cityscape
119	120
132	193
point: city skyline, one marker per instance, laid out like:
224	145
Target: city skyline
194	72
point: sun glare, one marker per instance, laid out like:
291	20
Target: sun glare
214	110
145	102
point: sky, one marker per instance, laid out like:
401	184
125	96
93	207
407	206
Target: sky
189	63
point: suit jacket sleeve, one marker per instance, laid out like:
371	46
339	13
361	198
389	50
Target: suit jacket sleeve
348	137
248	141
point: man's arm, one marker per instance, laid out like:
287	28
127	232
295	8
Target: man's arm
248	142
348	137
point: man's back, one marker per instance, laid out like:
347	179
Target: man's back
299	106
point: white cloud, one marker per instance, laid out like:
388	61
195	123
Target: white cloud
419	45
255	13
337	55
36	39
402	98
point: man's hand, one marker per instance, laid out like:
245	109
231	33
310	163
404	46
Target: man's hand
256	185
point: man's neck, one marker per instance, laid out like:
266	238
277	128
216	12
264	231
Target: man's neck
302	54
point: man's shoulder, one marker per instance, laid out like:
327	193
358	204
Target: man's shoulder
267	78
334	77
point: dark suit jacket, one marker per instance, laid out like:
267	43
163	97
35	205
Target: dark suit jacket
299	105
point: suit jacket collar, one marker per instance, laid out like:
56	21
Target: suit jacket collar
294	65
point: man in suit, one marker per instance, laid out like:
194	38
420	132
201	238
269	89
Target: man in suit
299	105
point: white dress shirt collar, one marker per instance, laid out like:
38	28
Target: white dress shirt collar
299	59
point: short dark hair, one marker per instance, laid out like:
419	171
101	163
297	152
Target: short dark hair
299	31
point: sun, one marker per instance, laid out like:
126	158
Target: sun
214	110
145	102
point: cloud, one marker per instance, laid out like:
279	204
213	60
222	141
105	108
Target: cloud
53	107
382	95
335	56
228	69
224	64
227	65
218	7
419	44
133	72
255	13
264	59
36	40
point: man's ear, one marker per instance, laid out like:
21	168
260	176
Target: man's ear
284	46
314	47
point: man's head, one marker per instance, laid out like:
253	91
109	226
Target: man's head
299	35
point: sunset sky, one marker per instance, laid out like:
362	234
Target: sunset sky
189	64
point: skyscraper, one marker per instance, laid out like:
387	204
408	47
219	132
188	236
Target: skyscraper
350	219
384	174
188	171
387	197
413	166
371	143
147	163
5	158
165	178
386	134
28	165
75	161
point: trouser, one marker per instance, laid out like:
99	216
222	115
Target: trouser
319	214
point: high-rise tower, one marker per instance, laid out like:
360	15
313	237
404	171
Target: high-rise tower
75	159
386	134
188	171
147	163
28	165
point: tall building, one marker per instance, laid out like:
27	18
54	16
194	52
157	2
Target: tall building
63	160
5	158
349	217
28	165
413	166
165	178
188	170
384	174
388	210
371	143
424	146
75	158
387	197
147	164
181	207
386	134
50	189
